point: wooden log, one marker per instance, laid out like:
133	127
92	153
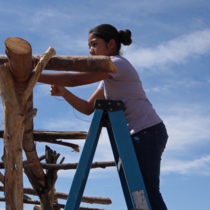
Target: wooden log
29	145
46	192
74	63
64	196
38	70
38	207
75	147
13	133
49	135
79	63
27	99
19	53
20	56
47	197
68	166
52	135
17	100
2	178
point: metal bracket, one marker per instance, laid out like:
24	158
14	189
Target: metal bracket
109	105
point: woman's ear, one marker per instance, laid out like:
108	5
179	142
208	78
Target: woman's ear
112	44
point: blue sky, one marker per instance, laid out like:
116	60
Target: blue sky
170	50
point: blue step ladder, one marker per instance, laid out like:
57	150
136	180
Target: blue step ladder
110	114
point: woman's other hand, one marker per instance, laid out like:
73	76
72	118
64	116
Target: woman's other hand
57	90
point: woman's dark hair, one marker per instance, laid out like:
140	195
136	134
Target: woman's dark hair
108	32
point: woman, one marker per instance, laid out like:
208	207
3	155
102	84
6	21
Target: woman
147	130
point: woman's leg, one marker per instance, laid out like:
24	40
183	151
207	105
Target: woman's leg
149	145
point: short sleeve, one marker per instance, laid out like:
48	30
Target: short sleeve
101	85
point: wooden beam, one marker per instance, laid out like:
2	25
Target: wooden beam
74	63
49	135
55	137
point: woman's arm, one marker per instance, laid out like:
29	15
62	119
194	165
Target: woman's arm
85	107
72	79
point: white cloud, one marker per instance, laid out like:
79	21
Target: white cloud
183	83
185	126
188	129
200	166
176	51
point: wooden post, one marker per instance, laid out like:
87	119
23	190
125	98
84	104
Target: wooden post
13	133
16	85
20	54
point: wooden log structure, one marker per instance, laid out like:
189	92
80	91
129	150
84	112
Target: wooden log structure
55	137
17	80
45	192
74	63
13	118
12	140
64	196
17	99
66	166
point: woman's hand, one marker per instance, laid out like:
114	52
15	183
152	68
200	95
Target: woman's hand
57	90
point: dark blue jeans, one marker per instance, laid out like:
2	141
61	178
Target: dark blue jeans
149	145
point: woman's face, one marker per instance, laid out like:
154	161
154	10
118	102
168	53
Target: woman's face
98	46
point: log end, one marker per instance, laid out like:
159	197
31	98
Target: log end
19	52
17	45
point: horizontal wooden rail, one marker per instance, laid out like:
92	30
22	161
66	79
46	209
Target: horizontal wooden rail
73	63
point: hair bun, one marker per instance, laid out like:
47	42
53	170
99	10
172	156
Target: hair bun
125	37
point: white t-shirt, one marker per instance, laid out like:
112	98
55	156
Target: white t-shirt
125	85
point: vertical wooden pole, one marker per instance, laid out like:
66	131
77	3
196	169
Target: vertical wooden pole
16	86
13	134
13	81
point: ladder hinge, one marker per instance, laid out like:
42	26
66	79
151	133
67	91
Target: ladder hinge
109	105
